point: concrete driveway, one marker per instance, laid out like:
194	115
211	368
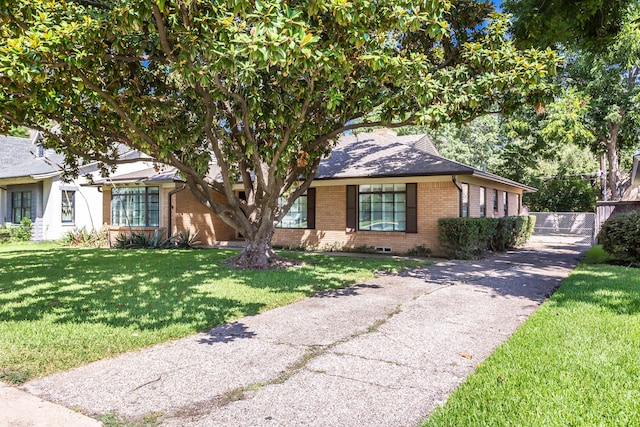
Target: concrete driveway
382	353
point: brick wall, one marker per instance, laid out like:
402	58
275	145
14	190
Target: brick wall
189	214
435	200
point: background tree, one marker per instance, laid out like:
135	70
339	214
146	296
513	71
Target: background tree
261	88
589	24
601	41
477	143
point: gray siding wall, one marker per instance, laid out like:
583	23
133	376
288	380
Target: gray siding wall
36	206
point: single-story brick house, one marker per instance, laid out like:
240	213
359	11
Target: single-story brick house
375	189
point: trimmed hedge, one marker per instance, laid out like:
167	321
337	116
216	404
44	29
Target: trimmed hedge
620	237
471	238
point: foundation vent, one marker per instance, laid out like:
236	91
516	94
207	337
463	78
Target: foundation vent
383	249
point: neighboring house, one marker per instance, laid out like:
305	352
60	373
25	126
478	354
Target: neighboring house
630	200
376	189
31	186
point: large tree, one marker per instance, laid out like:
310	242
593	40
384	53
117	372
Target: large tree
477	143
601	43
589	24
261	89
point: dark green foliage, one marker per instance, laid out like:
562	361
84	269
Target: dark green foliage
22	232
512	231
420	251
620	237
156	240
563	194
588	23
5	234
466	238
471	238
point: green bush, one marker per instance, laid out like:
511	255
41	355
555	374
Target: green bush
5	234
22	232
620	237
142	240
470	238
82	237
512	231
466	238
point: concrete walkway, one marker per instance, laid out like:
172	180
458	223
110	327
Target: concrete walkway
383	353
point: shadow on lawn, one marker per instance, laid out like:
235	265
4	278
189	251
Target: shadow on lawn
613	288
145	289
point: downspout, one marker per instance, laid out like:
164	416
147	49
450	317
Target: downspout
170	194
459	187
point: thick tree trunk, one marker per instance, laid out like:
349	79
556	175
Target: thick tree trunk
257	255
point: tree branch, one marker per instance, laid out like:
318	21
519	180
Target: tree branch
162	32
118	110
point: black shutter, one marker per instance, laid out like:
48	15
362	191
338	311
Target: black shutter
311	208
352	207
412	208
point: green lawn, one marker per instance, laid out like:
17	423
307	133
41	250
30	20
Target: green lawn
62	307
574	362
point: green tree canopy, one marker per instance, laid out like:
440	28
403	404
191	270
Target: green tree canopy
477	143
590	24
262	87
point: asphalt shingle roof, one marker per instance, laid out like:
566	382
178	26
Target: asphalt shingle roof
376	155
49	164
382	154
14	150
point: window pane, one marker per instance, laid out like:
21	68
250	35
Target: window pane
382	207
135	206
465	200
297	215
20	206
68	206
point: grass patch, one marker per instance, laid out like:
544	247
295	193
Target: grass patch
573	362
596	255
62	307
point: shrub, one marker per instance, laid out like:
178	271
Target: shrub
142	240
184	240
470	238
466	238
620	237
419	251
512	231
82	237
5	234
22	232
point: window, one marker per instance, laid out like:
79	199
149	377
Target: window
20	206
505	203
297	215
382	207
483	201
518	206
464	200
495	201
135	206
68	206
